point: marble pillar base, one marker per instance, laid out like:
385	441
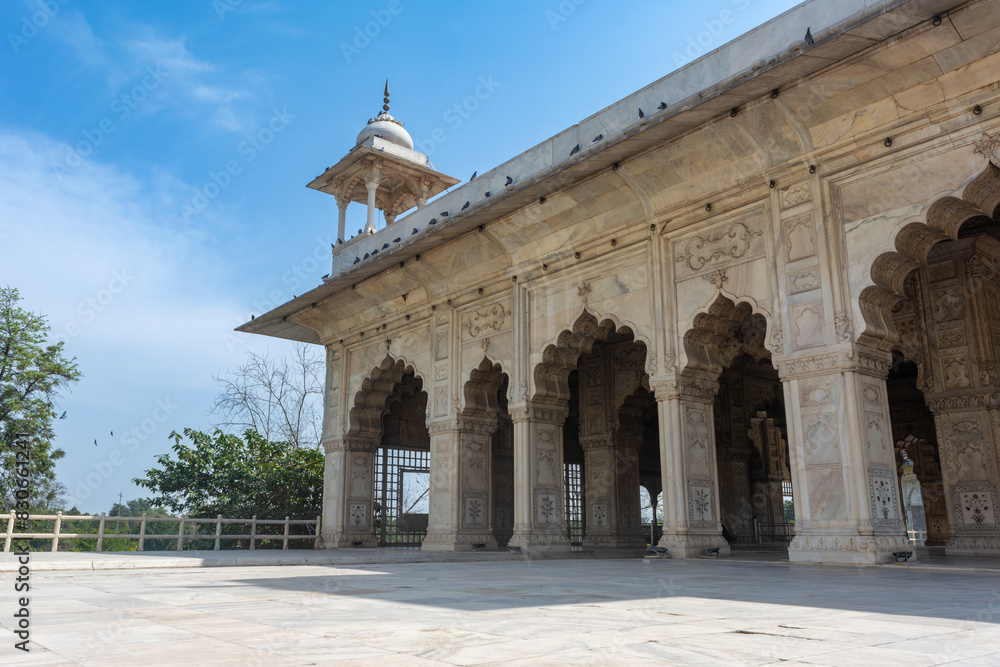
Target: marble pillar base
693	545
973	545
540	543
344	540
846	548
457	541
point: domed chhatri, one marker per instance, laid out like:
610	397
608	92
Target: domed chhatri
383	171
385	127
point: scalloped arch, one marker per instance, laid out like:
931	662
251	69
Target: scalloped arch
480	390
372	400
911	243
720	331
559	358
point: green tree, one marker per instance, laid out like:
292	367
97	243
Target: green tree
236	477
32	374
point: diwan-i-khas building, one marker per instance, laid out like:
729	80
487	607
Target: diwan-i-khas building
772	275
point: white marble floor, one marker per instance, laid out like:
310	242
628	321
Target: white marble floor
699	612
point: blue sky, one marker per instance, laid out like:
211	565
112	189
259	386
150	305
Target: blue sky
118	121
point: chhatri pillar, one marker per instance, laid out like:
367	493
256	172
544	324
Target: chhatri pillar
383	172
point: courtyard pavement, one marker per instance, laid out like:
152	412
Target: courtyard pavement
551	612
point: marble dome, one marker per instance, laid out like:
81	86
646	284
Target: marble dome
388	128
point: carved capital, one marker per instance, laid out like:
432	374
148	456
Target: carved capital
665	388
534	412
853	358
476	425
337	445
699	388
356	444
969	401
442	426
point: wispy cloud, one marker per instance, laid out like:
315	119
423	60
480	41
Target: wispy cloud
195	87
144	307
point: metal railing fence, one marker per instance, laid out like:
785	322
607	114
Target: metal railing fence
182	521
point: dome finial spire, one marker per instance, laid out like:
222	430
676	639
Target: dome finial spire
385	100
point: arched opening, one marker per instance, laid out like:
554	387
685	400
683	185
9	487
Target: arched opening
389	459
726	353
488	479
936	303
755	481
402	467
596	375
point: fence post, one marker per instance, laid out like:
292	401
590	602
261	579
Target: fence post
180	534
142	532
218	531
253	533
10	532
317	541
284	545
100	533
55	532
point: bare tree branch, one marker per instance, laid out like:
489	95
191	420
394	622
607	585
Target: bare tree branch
279	398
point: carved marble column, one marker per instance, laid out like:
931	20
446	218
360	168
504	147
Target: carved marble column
334	493
335	456
348	488
460	485
691	521
842	457
342	203
539	516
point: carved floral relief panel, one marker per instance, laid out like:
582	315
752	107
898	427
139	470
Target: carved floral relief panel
474	510
884	500
701	503
547	507
358	516
976	506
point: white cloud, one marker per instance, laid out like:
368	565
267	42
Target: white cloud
190	83
145	307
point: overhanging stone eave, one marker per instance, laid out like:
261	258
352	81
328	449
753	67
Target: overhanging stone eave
348	168
656	128
279	328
